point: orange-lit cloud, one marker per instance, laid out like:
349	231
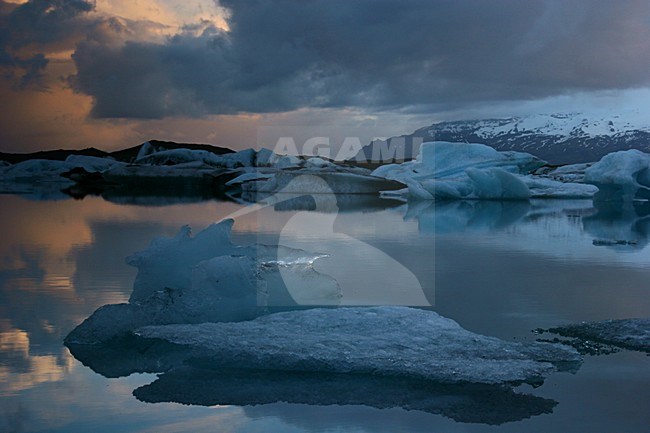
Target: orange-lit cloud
171	13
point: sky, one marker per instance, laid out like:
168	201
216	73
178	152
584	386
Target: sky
115	73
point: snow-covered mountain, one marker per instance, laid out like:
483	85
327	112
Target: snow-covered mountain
556	138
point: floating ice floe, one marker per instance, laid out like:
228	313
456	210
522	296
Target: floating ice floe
42	179
445	170
48	170
621	176
205	278
564	173
244	158
320	181
385	341
631	334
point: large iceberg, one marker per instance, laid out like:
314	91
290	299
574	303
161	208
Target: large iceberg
206	278
385	341
442	159
631	334
445	170
621	176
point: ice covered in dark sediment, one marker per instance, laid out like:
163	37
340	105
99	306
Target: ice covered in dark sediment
386	341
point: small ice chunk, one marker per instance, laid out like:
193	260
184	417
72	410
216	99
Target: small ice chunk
317	162
286	161
314	181
180	156
92	163
173	157
250	176
387	341
631	334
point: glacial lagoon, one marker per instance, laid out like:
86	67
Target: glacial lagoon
498	268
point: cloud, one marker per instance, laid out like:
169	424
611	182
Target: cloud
378	55
29	30
283	55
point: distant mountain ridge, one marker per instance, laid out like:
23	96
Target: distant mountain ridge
556	138
125	155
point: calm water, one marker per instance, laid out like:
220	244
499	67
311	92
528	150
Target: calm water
498	269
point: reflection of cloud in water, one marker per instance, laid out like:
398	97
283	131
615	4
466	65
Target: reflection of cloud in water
21	370
60	260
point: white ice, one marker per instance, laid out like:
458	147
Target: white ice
311	181
188	279
49	170
621	176
388	341
445	170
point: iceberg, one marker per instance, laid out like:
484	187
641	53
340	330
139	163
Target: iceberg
621	176
206	278
463	171
319	181
49	170
44	179
442	159
564	173
244	158
633	334
541	187
384	341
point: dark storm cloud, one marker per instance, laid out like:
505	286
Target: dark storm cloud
37	25
285	54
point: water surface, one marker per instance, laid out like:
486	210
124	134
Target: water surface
500	269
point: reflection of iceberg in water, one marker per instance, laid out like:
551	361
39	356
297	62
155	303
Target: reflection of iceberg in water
378	357
342	203
621	225
470	403
466	216
20	369
618	225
